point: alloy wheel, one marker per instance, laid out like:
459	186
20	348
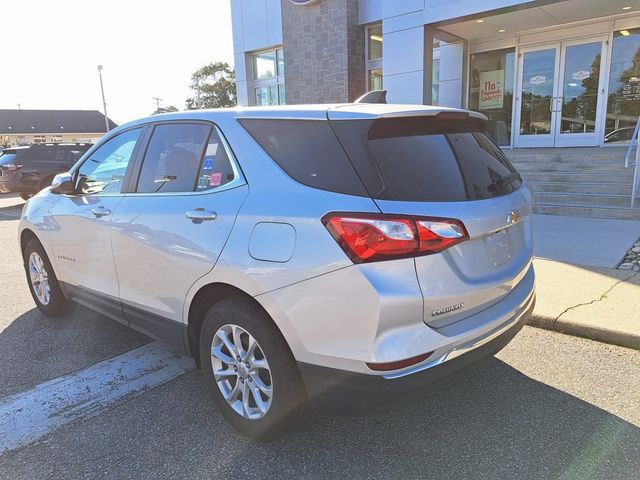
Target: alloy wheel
39	278
241	372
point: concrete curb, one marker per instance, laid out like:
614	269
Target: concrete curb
592	332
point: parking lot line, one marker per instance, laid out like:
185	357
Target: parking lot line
29	415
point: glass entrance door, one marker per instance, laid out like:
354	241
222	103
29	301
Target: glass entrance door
561	98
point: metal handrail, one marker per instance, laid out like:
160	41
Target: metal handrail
627	158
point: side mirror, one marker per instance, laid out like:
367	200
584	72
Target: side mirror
63	183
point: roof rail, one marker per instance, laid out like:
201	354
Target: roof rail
374	96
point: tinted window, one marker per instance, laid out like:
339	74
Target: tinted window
308	151
216	169
172	159
68	154
104	170
26	156
430	159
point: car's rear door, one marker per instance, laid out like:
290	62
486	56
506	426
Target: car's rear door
445	167
171	226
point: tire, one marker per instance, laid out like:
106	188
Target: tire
54	304
288	404
25	196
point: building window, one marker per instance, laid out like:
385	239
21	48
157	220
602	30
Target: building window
491	90
623	103
268	77
374	57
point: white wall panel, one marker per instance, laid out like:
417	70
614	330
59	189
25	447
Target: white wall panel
404	87
392	8
439	10
403	51
370	11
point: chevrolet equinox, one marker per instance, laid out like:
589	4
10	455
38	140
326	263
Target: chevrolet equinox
308	257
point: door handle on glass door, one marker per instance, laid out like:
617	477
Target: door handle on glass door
200	215
101	212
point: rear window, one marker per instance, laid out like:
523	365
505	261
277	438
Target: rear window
431	159
308	151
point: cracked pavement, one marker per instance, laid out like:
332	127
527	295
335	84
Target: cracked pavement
596	303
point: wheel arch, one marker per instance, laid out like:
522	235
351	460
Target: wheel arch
203	300
26	235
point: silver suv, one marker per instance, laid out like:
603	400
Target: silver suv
328	256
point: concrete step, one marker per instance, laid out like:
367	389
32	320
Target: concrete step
577	187
617	168
587	211
579	177
585	199
597	160
563	154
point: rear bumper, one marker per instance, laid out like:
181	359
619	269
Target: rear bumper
353	393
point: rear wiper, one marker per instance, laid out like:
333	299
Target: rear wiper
504	181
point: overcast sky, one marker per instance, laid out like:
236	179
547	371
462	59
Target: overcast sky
51	50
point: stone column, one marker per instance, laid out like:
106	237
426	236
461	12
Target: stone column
324	51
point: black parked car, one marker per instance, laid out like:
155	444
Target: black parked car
27	170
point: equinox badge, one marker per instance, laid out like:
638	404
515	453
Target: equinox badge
449	309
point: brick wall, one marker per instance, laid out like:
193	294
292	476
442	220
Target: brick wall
323	52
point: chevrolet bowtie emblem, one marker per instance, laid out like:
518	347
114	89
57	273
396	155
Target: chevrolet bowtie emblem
513	217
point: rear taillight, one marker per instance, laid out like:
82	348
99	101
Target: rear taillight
370	237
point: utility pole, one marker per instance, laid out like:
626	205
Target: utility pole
157	100
104	102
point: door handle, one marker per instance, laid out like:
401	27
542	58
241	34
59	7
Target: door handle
200	215
101	212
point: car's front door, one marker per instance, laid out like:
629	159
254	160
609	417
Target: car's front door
80	231
169	230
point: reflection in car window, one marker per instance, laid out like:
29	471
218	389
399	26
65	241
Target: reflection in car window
104	170
216	169
172	158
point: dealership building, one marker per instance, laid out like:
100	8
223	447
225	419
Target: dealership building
546	73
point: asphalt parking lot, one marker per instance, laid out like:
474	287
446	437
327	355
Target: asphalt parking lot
549	406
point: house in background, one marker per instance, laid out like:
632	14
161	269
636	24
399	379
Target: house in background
24	127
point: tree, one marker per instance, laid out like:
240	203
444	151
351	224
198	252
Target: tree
168	109
213	86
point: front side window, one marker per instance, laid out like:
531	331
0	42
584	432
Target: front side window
172	159
268	77
104	170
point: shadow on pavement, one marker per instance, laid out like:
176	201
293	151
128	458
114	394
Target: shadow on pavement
10	212
492	422
34	348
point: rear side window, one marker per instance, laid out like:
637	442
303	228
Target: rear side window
308	151
172	160
431	159
217	168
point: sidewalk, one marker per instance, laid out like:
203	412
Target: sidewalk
598	303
